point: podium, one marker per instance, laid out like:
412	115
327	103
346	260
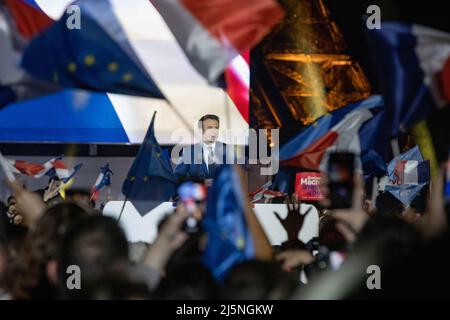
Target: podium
138	228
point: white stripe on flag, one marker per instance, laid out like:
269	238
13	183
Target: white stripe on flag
410	174
206	53
10	57
242	69
63	173
432	51
11	166
348	137
99	179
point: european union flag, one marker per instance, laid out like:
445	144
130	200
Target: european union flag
150	180
229	238
97	56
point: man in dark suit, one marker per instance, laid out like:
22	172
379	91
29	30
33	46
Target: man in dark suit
201	160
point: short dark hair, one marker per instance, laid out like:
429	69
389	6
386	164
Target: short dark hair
190	280
258	280
206	117
96	244
117	286
26	277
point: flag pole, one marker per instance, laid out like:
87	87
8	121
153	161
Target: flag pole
374	192
48	189
396	152
59	187
123	207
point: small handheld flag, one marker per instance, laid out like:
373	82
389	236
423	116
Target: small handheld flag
59	170
34	170
103	179
408	173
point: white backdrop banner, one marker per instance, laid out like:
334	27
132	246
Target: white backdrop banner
144	229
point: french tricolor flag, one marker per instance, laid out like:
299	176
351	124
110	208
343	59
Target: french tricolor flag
60	171
54	168
20	21
413	65
354	128
409	168
407	174
103	180
265	192
213	32
237	79
30	169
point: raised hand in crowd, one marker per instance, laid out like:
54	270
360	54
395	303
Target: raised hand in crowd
351	221
434	221
170	238
52	190
294	220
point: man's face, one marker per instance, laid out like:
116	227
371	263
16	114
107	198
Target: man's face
210	130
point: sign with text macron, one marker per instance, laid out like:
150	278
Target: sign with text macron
307	186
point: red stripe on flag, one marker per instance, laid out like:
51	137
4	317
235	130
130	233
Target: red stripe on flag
238	92
241	23
311	157
95	194
444	81
58	164
399	171
28	19
30	169
246	56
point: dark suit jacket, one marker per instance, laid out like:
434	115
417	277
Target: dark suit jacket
193	164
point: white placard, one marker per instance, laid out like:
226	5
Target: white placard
144	228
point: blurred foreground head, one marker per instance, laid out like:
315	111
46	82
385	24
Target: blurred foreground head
97	246
32	274
189	280
117	286
259	280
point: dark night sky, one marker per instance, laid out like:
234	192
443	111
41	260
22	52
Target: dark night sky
432	13
348	14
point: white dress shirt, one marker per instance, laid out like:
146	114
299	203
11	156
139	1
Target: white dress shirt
206	150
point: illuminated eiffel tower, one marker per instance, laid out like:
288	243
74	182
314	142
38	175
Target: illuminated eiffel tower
306	60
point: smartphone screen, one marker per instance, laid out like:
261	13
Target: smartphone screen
341	167
192	195
447	182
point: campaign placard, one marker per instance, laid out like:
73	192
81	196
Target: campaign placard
307	186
